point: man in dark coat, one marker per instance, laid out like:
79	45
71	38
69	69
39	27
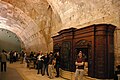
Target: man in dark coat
57	65
3	60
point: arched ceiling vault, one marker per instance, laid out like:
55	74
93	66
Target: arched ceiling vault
71	12
15	20
78	13
28	18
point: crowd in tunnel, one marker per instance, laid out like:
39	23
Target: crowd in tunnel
46	64
43	63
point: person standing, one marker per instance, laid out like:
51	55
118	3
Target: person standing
11	57
3	56
79	66
45	64
57	65
51	64
14	56
40	62
22	54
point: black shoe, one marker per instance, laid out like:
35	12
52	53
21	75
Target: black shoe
56	76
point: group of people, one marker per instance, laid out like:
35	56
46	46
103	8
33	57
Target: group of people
11	56
46	63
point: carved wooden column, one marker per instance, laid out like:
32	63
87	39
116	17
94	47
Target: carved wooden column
104	51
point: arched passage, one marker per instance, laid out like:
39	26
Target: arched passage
30	23
16	21
9	41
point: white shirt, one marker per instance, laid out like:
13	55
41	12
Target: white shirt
39	57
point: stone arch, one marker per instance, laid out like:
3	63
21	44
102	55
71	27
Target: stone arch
16	21
16	36
56	12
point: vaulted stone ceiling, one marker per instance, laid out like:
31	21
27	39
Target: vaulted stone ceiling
35	21
81	12
31	20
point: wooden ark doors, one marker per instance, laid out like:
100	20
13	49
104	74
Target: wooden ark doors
97	44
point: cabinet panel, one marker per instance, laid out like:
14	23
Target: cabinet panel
65	55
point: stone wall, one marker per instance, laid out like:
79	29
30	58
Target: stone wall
49	25
117	47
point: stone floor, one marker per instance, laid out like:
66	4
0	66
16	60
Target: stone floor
21	72
29	74
11	74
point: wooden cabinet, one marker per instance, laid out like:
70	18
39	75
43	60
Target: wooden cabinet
97	44
65	41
